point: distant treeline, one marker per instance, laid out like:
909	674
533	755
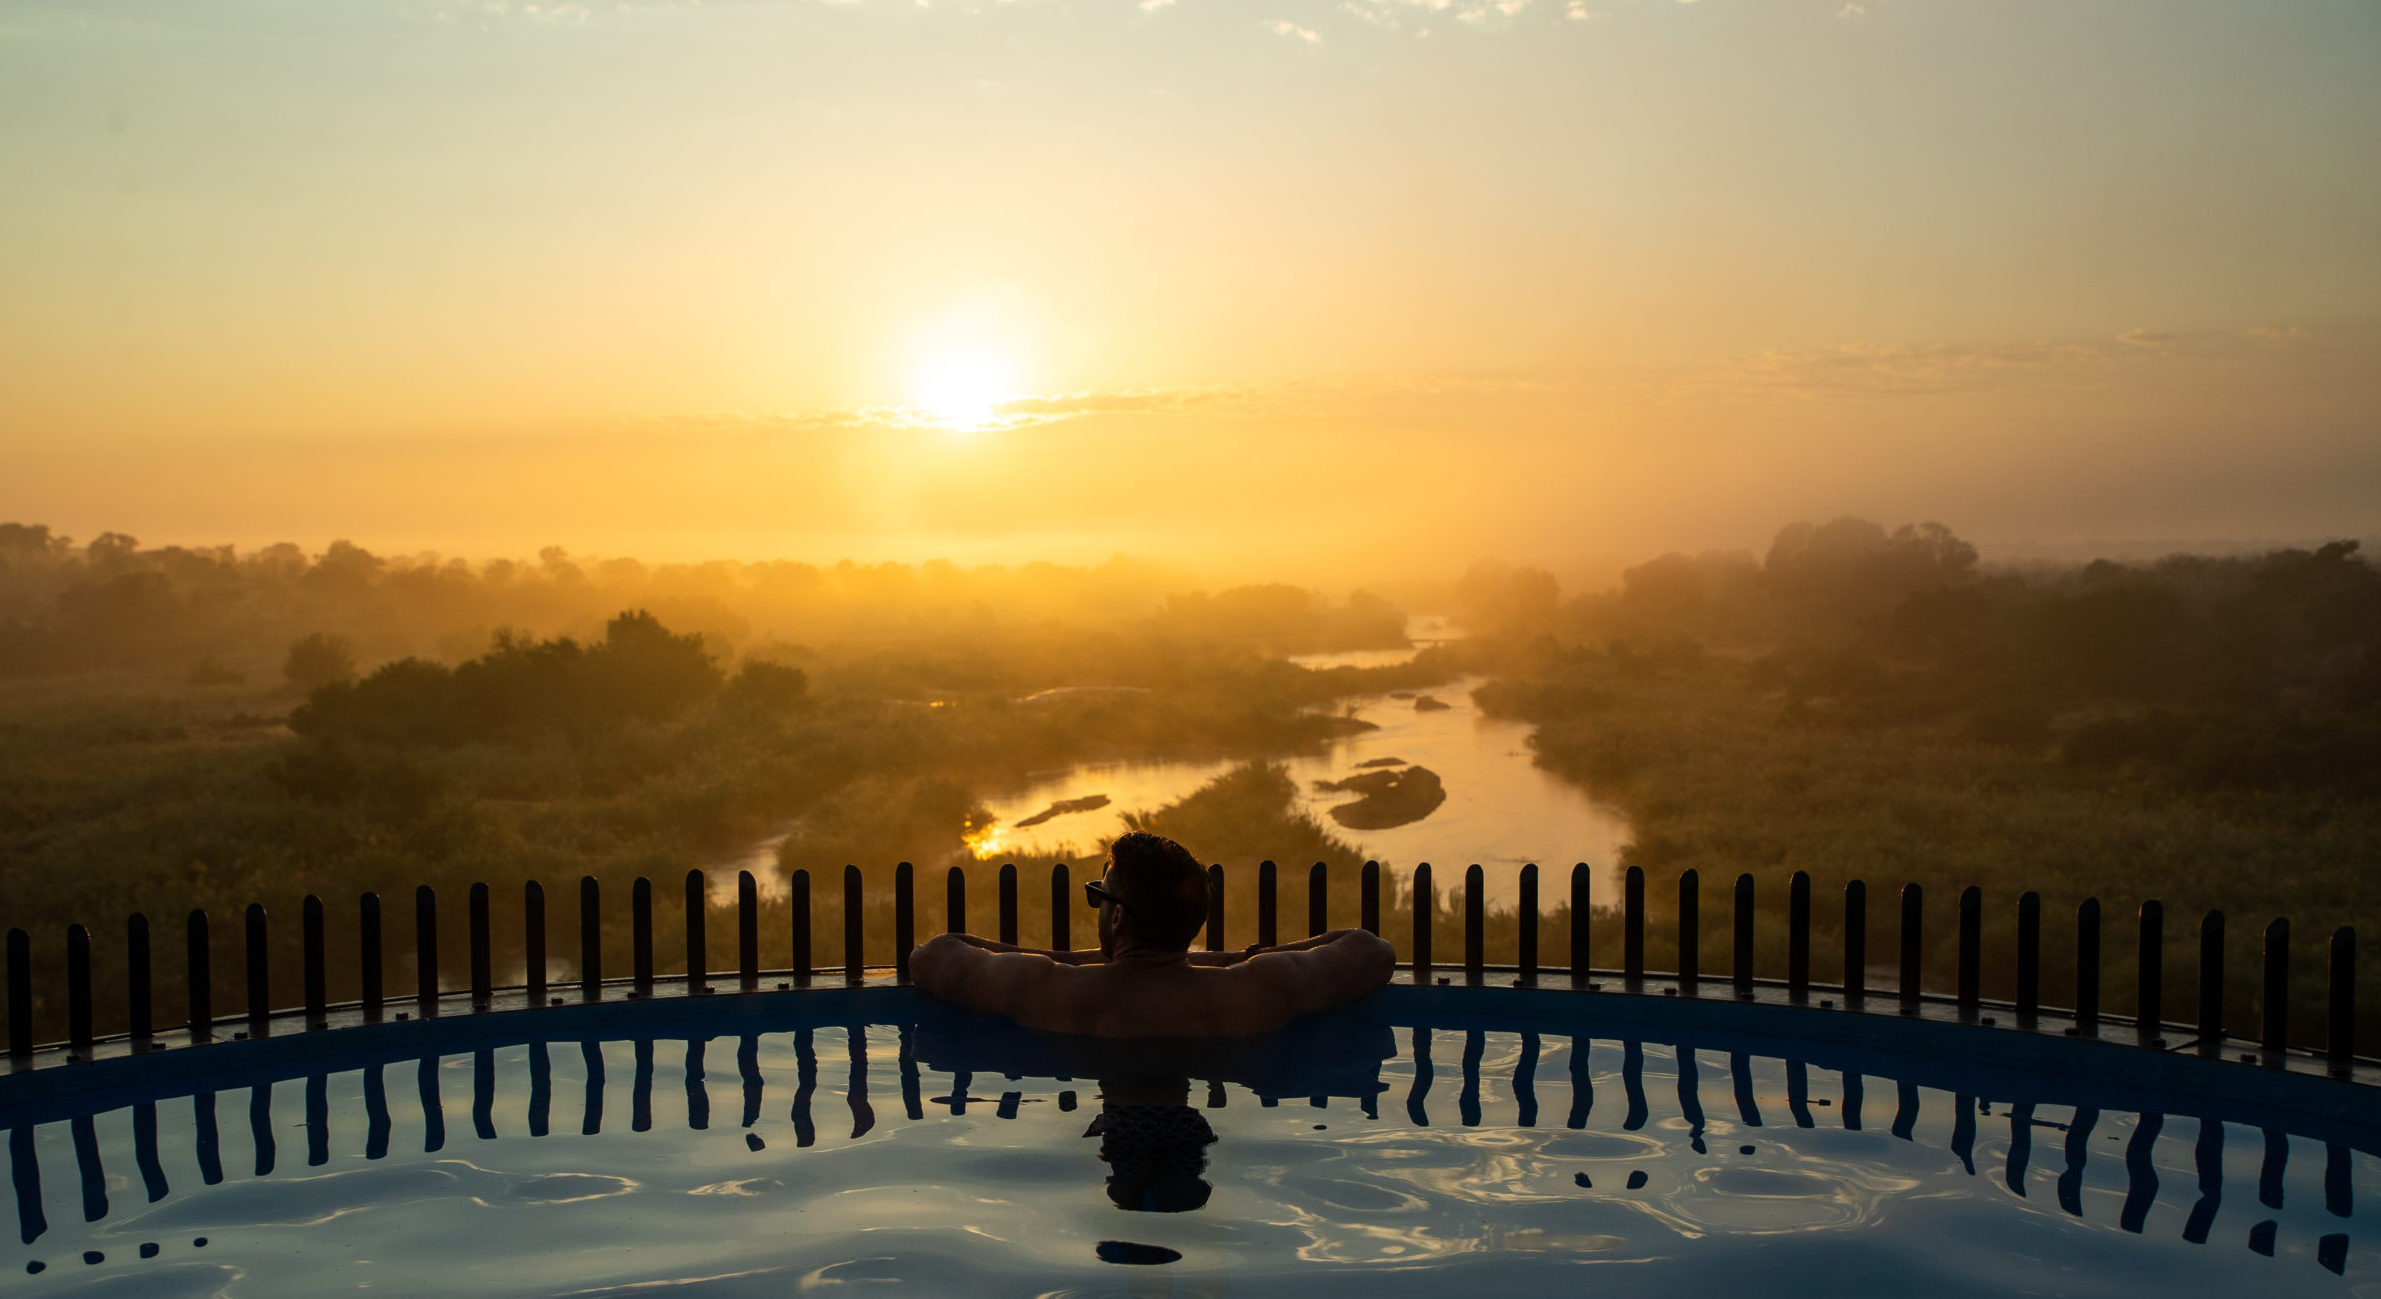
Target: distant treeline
218	614
2254	672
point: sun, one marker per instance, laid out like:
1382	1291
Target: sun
963	390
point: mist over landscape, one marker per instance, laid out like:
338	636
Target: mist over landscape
1902	441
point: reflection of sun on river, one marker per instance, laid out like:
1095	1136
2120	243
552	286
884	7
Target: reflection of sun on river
1502	811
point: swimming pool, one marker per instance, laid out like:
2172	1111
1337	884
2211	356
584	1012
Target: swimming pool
1433	1138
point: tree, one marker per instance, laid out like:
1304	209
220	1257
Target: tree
319	659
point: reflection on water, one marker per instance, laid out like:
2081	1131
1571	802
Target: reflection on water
1502	811
1501	1153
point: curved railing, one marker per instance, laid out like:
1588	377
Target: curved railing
2208	1036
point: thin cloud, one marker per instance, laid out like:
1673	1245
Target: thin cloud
1284	27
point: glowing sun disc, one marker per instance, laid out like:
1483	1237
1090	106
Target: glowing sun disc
962	390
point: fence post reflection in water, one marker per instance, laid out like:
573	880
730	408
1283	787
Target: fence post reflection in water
145	1153
912	1098
640	1087
1632	1085
1525	1082
591	1110
698	1097
1416	1095
1583	1085
748	1071
541	1088
425	1083
318	1120
805	1086
855	1039
1690	1097
1467	1102
1963	1131
1740	1069
483	1094
376	1112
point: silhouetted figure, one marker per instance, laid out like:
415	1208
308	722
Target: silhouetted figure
1143	980
1154	1143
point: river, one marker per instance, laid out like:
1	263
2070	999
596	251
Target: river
1502	811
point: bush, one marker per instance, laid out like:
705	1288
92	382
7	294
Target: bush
319	659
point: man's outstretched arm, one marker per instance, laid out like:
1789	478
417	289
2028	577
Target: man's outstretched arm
967	972
1320	973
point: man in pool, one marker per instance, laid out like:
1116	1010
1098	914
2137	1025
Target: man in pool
1143	980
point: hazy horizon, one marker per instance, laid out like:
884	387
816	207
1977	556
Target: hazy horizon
1275	287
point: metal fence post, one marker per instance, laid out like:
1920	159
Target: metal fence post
1525	937
855	948
1798	935
2274	1029
2211	984
1632	927
2149	974
1971	951
370	968
78	993
1318	903
1475	924
2087	968
1268	933
20	994
425	951
317	993
1743	934
2340	1042
798	925
1913	947
2029	957
1062	911
1008	903
1425	918
1581	913
260	973
748	931
533	938
1215	907
198	979
483	965
1690	932
640	936
1369	899
139	985
955	901
591	938
698	933
1855	942
905	918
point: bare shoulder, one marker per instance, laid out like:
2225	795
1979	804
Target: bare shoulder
949	969
1346	966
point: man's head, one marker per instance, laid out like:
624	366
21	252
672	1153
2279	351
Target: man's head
1163	892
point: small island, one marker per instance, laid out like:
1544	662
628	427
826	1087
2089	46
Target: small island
1390	798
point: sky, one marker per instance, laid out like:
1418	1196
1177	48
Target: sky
1299	287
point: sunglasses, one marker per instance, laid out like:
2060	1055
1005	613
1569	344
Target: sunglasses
1096	892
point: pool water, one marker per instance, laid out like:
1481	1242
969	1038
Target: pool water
931	1152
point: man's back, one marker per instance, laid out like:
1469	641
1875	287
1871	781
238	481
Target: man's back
1155	995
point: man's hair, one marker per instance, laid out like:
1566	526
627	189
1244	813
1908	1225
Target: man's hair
1163	887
